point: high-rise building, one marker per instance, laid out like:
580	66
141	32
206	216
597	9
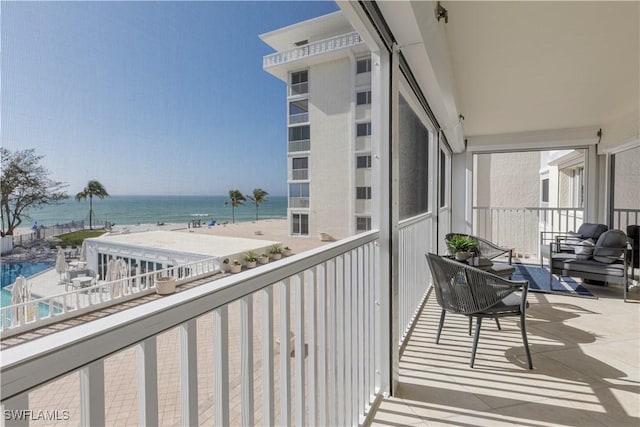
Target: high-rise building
327	68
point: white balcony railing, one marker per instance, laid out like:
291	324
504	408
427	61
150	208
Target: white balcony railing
299	89
520	228
299	174
625	217
298	118
301	145
413	272
225	333
315	48
298	202
29	315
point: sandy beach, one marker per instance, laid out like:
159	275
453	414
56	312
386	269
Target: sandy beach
266	229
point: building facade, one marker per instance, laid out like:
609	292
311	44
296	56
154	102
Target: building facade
327	69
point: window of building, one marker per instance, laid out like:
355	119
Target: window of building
363	223
298	190
363	65
299	107
363	193
363	98
299	77
300	224
300	163
299	133
363	129
545	190
363	162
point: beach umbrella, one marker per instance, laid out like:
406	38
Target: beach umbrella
20	292
83	251
61	264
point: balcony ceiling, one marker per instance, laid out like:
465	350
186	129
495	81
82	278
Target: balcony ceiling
524	66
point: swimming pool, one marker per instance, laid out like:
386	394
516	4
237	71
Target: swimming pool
11	270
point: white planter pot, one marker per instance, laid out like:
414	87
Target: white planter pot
251	264
263	259
462	256
276	256
286	252
165	285
235	268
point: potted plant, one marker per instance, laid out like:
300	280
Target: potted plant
461	245
286	251
235	266
251	258
276	251
263	258
165	285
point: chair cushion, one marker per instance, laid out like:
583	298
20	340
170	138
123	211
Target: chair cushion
610	246
510	304
501	269
592	231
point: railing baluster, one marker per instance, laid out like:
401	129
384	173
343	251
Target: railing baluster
356	262
267	356
362	273
339	332
322	343
298	286
285	354
147	383
312	354
331	343
246	352
221	365
92	394
348	304
189	372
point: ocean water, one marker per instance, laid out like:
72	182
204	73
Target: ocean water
128	210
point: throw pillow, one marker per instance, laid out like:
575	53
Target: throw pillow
610	246
584	249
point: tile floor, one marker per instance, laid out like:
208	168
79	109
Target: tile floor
586	356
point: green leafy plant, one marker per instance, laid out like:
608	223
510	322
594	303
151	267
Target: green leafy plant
275	249
250	256
461	243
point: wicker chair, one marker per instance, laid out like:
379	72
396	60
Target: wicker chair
463	289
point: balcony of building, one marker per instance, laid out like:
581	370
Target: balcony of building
322	50
326	336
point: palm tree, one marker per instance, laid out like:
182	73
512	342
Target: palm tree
236	198
93	188
259	196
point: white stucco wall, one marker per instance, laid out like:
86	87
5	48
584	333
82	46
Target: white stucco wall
627	180
332	187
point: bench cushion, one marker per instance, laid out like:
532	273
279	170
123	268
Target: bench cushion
570	262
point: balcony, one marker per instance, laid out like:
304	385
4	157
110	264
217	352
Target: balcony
298	118
299	89
332	44
298	202
299	174
301	145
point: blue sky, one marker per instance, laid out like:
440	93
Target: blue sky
148	97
